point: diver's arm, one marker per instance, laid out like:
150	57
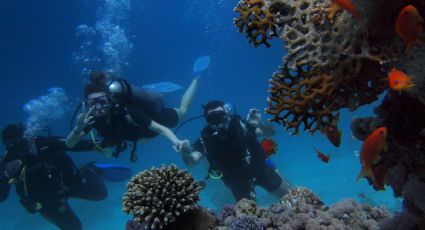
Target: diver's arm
165	131
265	130
73	138
254	120
194	155
193	158
84	120
4	184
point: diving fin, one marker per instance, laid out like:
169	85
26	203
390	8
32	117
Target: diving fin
163	87
201	63
113	172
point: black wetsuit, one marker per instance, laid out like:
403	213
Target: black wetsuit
50	178
131	123
239	157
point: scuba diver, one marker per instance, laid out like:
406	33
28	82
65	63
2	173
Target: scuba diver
122	113
234	154
45	176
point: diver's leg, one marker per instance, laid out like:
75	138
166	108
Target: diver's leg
282	190
62	216
241	190
89	186
274	183
187	98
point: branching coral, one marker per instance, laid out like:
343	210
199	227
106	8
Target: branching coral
312	98
337	58
156	197
255	21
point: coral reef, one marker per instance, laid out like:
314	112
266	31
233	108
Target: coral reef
334	60
339	59
247	223
403	165
255	21
312	99
302	209
195	219
156	197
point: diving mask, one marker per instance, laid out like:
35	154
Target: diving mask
217	117
99	104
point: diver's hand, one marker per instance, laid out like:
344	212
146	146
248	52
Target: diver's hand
84	120
182	146
13	169
254	117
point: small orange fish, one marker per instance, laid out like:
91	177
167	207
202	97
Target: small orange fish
333	134
399	80
409	26
322	156
371	150
269	146
348	6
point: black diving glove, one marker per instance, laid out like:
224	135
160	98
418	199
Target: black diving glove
29	205
13	169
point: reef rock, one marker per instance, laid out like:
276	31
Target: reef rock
302	209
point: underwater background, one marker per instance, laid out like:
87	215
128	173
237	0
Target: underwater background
48	47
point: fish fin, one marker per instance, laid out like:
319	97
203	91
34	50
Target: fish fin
366	172
411	44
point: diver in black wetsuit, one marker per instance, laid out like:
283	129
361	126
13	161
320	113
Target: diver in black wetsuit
122	113
45	176
234	154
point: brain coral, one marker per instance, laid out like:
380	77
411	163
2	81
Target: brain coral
156	197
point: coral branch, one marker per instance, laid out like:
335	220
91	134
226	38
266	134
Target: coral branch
255	21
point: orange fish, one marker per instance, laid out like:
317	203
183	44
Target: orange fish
399	80
371	150
348	6
322	156
269	146
409	26
333	134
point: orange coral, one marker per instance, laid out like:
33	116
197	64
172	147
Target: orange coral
313	98
255	21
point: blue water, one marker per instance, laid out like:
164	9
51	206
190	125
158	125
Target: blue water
44	45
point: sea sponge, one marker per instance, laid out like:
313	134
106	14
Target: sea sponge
156	197
255	21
